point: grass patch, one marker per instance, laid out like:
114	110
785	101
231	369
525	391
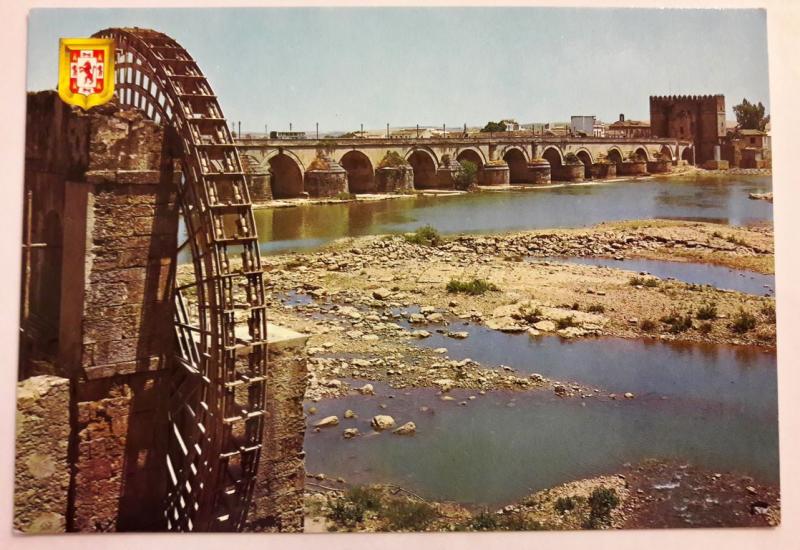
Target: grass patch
349	510
743	322
566	322
649	282
707	311
426	235
596	308
529	315
404	515
474	287
733	240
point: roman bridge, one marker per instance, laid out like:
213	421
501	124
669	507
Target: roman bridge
326	167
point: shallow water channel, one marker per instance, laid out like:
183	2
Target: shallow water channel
750	282
712	405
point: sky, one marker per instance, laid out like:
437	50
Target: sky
342	67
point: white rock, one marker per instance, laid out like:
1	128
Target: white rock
409	428
327	421
382	422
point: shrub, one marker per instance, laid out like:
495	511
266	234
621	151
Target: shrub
425	235
405	515
345	512
530	315
596	308
484	521
647	325
564	504
651	282
642	281
365	497
475	287
769	312
707	311
743	322
705	328
392	159
601	502
717	234
677	323
576	306
566	322
345	196
518	521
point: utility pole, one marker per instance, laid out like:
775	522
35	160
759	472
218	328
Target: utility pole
417	131
239	133
444	130
290	126
361	135
387	130
317	130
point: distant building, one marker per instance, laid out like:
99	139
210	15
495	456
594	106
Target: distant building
747	148
599	129
287	135
583	125
628	128
511	125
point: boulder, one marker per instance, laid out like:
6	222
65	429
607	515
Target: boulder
350	433
366	389
349	414
420	333
460	335
381	293
545	326
409	428
327	421
382	422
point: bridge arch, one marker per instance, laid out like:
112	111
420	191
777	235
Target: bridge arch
614	155
641	153
425	164
360	172
585	157
666	153
517	162
287	175
471	154
553	155
688	154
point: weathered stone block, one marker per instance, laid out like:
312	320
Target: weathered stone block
495	174
42	472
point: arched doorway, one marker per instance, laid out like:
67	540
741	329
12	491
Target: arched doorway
360	175
586	159
287	178
517	165
424	169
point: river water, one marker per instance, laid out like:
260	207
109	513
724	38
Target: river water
716	199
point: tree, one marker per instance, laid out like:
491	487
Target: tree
751	116
467	176
494	127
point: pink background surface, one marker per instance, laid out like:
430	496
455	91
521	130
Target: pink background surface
784	46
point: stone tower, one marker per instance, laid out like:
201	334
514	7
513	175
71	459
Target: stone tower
700	118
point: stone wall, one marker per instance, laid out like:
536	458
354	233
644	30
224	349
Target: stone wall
278	494
700	118
42	475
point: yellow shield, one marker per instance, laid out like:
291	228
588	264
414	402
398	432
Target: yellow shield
86	71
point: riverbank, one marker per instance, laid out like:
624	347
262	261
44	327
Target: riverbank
653	494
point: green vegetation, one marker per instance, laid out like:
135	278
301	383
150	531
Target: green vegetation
467	177
707	311
596	308
576	306
494	127
350	509
529	315
571	158
565	504
677	323
484	521
705	328
392	159
743	322
474	287
404	515
345	196
717	234
426	235
601	502
650	282
647	325
768	311
751	116
733	240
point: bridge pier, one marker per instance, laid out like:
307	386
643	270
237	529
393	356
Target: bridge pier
632	168
538	171
604	170
394	179
325	178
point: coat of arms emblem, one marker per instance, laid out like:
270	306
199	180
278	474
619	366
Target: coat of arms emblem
86	71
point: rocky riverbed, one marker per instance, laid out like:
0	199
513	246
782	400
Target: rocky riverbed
653	494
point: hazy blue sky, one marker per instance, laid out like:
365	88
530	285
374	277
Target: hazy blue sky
342	67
